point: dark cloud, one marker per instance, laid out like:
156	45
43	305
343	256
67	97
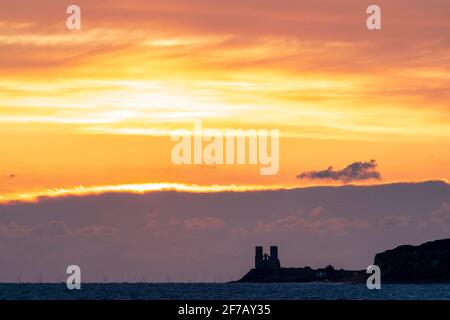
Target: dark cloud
203	223
394	221
55	228
357	171
442	215
11	229
95	231
296	223
207	236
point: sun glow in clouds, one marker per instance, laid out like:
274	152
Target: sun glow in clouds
134	188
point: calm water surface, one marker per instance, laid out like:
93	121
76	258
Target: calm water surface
194	291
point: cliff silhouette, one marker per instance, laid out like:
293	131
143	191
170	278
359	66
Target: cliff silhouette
428	262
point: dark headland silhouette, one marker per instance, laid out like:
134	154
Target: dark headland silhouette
429	262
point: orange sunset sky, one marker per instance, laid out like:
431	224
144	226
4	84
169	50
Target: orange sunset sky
96	107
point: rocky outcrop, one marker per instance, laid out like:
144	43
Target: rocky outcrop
429	262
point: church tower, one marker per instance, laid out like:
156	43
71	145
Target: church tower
264	261
259	257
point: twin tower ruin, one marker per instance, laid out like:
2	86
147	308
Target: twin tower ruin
265	261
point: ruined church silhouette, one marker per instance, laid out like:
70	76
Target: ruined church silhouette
265	261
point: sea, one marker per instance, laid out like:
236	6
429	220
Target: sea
223	291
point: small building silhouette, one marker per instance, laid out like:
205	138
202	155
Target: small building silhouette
265	261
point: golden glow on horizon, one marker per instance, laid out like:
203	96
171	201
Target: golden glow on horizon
161	187
134	188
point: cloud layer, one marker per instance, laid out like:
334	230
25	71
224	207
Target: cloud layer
357	171
211	236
